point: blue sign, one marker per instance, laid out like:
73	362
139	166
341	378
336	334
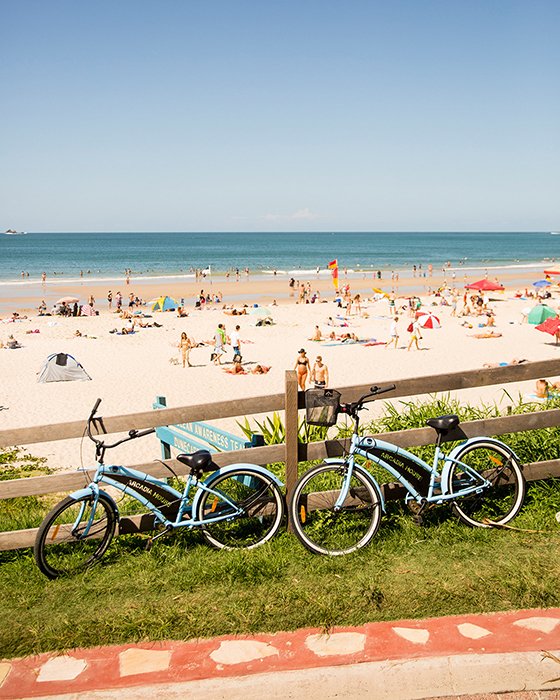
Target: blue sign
190	437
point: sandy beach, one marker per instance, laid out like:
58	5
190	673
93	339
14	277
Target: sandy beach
129	371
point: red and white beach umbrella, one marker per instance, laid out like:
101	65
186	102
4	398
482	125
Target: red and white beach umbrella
428	320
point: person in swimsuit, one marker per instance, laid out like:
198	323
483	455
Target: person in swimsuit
185	346
394	333
415	335
302	367
320	374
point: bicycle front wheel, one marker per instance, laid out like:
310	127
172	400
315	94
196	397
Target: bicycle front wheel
498	503
244	510
321	528
61	547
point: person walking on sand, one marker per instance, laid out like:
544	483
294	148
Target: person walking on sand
320	374
219	343
415	334
394	333
185	346
235	344
302	368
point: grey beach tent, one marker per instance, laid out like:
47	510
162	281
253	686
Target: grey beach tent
61	367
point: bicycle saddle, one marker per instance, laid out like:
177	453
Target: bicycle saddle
443	423
200	461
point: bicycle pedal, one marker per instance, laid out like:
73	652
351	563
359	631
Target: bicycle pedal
418	520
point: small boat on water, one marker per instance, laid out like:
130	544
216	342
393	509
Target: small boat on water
554	233
11	232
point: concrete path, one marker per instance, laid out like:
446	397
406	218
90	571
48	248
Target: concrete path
407	660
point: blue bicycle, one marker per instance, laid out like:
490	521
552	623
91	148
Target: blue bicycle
336	506
237	506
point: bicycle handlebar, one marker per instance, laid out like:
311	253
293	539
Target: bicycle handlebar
94	409
132	434
358	405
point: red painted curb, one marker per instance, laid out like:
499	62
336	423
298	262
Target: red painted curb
130	665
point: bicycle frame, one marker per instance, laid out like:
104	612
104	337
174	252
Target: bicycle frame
169	506
418	478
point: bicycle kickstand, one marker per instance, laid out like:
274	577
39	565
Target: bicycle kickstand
151	540
417	518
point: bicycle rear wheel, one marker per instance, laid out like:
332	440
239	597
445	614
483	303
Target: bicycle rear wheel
498	503
321	528
60	547
250	508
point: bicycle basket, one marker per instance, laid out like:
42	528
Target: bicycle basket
321	406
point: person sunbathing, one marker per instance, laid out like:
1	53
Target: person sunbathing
317	336
515	361
489	334
260	369
12	343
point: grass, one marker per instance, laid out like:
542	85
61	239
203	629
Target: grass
183	589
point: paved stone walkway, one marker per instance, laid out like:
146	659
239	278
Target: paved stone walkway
479	637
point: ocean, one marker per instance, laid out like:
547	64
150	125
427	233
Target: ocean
176	255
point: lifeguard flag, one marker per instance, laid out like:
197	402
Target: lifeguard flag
334	267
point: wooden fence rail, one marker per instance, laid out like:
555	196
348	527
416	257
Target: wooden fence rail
291	452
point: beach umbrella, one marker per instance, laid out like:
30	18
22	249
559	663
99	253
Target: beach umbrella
68	300
485	286
542	283
164	304
540	313
428	320
259	311
550	325
552	271
380	291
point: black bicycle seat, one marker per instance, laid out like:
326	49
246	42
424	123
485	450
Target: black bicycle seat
200	460
443	423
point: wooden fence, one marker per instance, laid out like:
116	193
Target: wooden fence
291	452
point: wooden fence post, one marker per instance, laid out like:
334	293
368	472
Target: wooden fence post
291	423
165	448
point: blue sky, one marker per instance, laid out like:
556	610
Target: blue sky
226	115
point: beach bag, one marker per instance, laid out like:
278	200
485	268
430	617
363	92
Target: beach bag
409	329
237	357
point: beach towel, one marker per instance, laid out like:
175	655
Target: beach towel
371	341
533	398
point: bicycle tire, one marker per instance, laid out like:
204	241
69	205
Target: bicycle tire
260	500
499	503
59	551
322	529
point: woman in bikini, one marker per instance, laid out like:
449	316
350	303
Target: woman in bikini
185	346
303	368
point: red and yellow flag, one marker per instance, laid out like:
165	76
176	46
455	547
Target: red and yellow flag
334	267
